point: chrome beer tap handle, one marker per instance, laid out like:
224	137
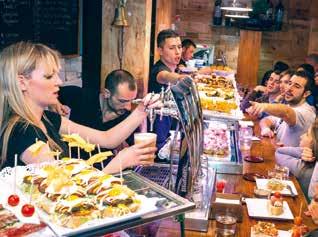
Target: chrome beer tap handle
162	98
151	114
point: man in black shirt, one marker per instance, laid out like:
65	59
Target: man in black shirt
115	100
103	110
162	73
188	48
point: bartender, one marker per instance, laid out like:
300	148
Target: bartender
162	73
188	48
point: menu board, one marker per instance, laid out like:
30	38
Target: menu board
54	23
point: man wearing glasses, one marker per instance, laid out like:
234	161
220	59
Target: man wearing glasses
103	110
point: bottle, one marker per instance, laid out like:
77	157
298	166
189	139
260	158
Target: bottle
217	15
269	12
279	16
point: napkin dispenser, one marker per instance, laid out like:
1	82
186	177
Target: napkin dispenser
227	203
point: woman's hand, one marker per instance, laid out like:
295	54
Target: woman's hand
150	101
307	155
139	154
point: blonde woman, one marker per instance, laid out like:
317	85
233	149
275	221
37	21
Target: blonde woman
29	83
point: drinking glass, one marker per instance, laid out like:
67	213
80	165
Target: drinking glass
225	224
282	171
246	134
146	136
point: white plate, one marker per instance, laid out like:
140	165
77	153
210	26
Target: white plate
281	233
262	184
147	205
6	182
257	208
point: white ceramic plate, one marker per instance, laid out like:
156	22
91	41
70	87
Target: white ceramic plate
147	205
262	184
257	208
6	182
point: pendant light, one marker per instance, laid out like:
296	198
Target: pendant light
237	6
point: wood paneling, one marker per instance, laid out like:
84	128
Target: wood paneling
136	41
248	57
165	15
298	37
313	36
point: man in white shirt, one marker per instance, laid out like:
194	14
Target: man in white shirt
289	120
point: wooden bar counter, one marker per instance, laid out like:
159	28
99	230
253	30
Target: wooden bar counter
236	184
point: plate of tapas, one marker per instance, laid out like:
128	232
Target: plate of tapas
72	197
267	229
285	187
275	208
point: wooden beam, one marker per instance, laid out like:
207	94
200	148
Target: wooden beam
165	13
248	57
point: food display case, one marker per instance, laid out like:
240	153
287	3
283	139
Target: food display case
220	102
190	177
219	96
221	146
157	203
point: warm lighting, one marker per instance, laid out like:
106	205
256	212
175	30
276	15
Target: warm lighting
237	6
237	16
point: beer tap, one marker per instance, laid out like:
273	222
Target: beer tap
151	115
168	108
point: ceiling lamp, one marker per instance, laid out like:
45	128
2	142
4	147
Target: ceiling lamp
237	16
237	6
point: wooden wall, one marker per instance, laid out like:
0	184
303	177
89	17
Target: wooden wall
165	13
196	21
136	41
298	37
247	62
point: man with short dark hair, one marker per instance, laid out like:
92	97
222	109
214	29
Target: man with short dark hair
289	120
106	109
263	94
120	89
278	67
162	73
188	48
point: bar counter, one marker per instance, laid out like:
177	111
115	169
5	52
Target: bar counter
236	184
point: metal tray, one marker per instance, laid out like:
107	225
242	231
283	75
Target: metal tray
168	204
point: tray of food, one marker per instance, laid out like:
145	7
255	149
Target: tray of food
72	197
216	137
219	97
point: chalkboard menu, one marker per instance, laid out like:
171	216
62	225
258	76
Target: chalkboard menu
51	22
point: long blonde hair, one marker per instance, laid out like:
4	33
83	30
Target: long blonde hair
19	59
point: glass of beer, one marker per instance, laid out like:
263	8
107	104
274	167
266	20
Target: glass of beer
145	137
